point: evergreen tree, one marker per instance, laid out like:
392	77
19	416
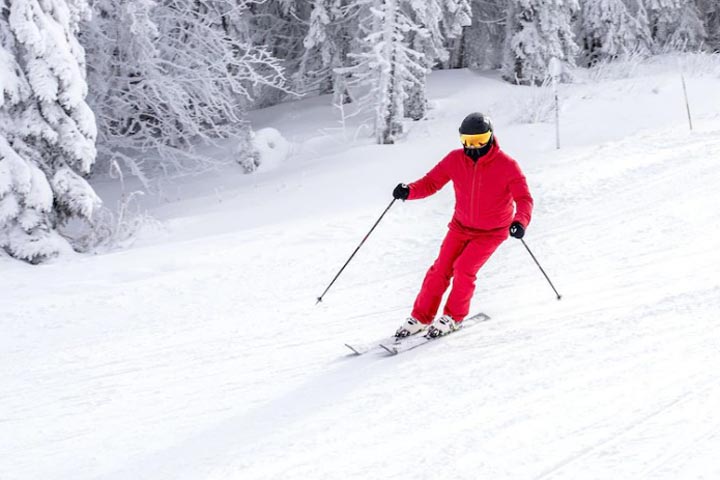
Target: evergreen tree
641	16
609	30
437	21
332	27
537	31
483	41
456	15
675	23
47	131
385	64
399	41
710	11
688	31
661	15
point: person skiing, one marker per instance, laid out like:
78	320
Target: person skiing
487	182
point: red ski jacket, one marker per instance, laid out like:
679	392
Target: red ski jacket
484	190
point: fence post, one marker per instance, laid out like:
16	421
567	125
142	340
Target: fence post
687	103
556	68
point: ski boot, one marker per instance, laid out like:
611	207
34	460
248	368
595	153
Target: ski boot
442	326
409	327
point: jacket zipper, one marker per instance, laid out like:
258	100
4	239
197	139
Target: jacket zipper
472	196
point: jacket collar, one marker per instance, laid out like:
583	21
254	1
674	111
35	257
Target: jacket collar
488	157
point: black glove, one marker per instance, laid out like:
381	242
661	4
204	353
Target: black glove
517	230
401	192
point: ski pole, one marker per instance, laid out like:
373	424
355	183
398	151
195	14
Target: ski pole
541	269
319	299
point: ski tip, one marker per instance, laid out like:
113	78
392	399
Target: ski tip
353	349
479	316
390	350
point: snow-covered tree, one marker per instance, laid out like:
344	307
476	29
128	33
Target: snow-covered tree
47	131
431	43
609	30
437	21
483	40
384	65
537	31
456	15
675	23
710	11
689	31
333	26
399	42
165	74
280	27
641	16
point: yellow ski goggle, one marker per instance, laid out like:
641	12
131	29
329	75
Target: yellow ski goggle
476	141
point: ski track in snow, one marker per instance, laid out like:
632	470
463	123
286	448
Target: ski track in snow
207	359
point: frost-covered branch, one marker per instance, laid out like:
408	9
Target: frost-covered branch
169	74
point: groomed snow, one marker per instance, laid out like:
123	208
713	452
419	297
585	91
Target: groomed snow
200	353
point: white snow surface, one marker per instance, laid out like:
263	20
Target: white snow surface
200	353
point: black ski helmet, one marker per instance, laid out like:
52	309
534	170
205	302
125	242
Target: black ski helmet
475	123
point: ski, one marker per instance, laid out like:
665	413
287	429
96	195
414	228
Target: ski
362	348
403	345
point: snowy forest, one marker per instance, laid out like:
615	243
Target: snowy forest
215	215
95	88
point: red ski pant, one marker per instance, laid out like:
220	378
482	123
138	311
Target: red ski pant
461	256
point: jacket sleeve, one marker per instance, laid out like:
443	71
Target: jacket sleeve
433	181
520	192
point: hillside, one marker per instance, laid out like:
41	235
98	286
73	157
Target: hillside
199	353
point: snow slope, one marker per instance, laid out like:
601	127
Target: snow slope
200	353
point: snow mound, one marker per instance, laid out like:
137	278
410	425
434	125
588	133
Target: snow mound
273	149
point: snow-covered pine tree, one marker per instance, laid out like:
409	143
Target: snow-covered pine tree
688	31
661	16
319	49
384	64
332	28
610	30
167	74
482	41
537	31
639	13
675	23
439	21
431	42
399	41
47	131
710	11
456	15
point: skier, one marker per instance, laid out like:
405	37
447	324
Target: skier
486	181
